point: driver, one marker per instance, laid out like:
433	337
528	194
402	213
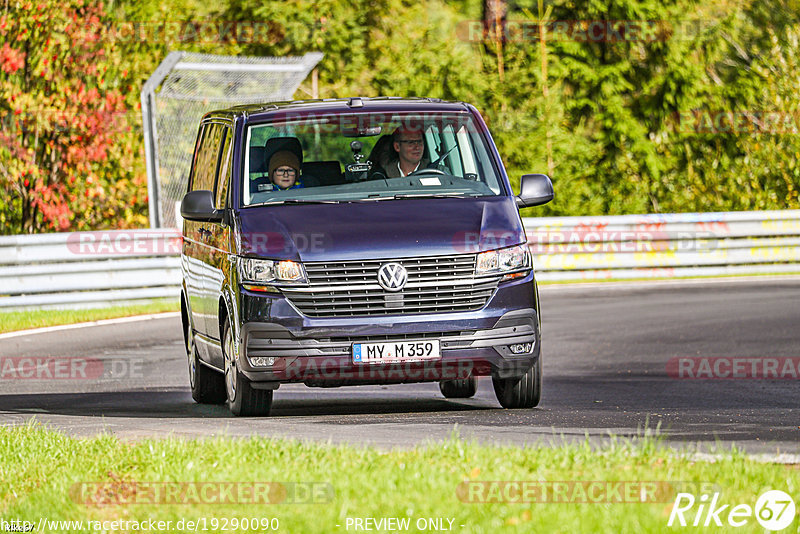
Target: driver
409	148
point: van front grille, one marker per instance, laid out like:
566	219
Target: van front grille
435	284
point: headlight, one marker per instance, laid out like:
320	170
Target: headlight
256	271
505	260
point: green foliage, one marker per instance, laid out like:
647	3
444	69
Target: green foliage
67	153
608	122
615	121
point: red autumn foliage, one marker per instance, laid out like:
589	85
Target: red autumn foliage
67	149
11	60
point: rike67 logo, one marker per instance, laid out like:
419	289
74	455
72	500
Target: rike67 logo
774	510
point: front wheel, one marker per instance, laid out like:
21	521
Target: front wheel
522	392
243	399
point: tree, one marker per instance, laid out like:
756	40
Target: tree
66	155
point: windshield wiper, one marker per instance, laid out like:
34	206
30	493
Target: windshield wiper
302	201
418	195
436	195
295	201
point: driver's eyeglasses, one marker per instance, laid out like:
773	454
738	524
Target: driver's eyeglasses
412	142
285	172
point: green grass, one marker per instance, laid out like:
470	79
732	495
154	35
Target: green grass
38	467
23	320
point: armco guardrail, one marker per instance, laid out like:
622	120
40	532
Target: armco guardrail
665	245
86	269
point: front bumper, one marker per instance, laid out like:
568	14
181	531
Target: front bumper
324	358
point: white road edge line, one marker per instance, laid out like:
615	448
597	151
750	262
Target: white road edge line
101	322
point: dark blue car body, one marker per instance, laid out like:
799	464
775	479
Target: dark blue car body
307	333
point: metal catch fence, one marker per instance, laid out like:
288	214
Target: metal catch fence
182	89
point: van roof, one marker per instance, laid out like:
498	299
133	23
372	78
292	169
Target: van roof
389	104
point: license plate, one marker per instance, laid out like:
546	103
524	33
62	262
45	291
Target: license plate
400	351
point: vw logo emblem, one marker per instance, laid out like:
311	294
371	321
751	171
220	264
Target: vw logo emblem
392	276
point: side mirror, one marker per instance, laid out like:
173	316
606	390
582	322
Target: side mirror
535	190
199	206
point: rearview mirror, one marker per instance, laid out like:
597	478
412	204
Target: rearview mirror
535	190
361	131
199	206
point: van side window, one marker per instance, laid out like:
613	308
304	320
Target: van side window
205	165
221	192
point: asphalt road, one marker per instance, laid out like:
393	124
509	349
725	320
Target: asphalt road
606	349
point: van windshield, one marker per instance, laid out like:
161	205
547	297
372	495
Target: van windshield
365	157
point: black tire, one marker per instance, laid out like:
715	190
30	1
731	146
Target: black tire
462	388
243	400
208	385
522	392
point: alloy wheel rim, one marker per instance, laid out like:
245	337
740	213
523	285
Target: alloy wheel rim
190	356
230	367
